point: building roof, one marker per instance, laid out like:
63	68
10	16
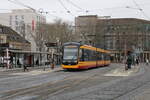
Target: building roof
12	35
125	21
89	16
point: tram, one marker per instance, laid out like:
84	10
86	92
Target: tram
80	56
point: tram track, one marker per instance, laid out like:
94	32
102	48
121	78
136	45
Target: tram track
45	90
53	88
64	87
146	82
112	89
14	93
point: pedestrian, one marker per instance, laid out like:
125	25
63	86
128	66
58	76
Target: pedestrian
147	62
129	62
11	61
137	61
25	68
24	63
52	63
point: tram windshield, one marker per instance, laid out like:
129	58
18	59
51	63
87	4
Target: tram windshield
70	53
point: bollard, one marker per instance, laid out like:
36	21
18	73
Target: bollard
52	66
44	69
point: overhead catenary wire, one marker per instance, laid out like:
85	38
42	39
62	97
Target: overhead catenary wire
74	5
80	9
68	11
140	9
29	7
20	3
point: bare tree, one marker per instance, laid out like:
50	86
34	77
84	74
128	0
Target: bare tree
58	31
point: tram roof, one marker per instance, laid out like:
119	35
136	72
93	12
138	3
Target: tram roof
72	43
94	48
86	46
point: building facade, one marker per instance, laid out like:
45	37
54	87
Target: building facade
84	26
25	22
119	35
12	40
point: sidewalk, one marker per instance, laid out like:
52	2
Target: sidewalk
122	72
38	71
41	68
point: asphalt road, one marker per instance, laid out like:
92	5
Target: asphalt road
106	83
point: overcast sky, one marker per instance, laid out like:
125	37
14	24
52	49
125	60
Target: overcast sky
67	10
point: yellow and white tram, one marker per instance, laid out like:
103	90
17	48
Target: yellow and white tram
78	56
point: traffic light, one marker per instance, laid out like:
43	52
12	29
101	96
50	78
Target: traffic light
51	44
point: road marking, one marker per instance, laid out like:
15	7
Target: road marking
122	72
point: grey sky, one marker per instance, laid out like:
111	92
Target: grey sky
113	8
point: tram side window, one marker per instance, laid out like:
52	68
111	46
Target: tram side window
86	55
107	57
99	56
95	55
81	54
102	56
92	55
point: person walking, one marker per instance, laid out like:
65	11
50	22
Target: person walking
25	68
52	63
129	62
147	62
137	61
25	65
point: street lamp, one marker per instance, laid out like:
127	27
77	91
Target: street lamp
125	49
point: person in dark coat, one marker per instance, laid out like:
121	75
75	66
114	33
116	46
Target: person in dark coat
137	61
52	63
25	65
129	61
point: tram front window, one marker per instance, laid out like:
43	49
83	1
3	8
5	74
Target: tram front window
70	55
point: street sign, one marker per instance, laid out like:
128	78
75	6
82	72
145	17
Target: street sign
51	44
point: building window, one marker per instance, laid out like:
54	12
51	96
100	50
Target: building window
1	30
1	40
16	17
37	18
22	17
10	20
16	22
16	28
10	23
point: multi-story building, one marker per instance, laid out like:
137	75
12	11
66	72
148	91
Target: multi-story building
117	34
84	26
15	50
25	22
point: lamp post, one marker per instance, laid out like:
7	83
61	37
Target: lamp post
125	50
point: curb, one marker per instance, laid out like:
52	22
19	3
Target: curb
30	69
